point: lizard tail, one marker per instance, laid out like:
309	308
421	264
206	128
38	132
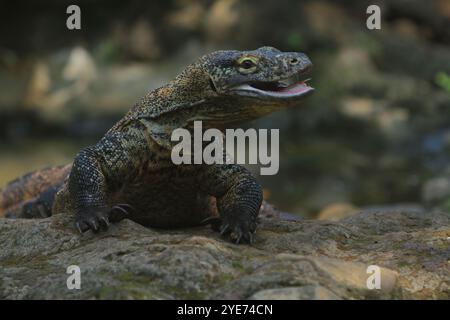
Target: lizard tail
24	189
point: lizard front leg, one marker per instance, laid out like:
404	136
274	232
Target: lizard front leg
239	197
96	171
87	189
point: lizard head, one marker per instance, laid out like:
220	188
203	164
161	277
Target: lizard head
246	85
225	88
265	74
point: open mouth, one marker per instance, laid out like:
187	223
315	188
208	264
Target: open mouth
292	87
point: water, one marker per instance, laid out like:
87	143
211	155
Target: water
31	154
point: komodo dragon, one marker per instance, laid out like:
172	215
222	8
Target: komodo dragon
129	172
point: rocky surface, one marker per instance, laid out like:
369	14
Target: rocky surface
307	259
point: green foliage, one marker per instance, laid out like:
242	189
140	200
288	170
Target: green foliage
367	43
443	80
294	40
108	51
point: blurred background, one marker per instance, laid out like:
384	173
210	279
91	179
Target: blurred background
376	132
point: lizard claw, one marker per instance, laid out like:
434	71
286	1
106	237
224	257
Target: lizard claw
241	237
239	233
250	238
241	228
238	239
210	220
105	221
77	225
214	221
122	207
224	229
120	211
93	225
93	219
126	205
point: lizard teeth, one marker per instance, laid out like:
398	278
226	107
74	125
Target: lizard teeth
292	91
283	84
291	87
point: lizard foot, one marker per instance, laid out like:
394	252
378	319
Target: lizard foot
239	230
92	219
99	219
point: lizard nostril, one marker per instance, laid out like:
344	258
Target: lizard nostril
293	61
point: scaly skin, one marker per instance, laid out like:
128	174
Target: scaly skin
129	172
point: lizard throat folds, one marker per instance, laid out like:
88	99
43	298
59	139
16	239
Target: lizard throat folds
288	88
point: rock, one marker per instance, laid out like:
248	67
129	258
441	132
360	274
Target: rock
436	189
296	293
337	211
399	207
356	274
268	211
307	259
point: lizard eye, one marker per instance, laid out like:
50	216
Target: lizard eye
247	65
